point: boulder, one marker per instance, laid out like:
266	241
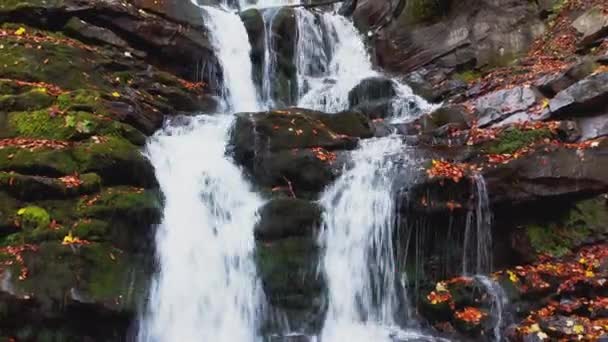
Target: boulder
288	270
501	104
588	96
592	25
288	217
550	172
594	126
373	96
550	85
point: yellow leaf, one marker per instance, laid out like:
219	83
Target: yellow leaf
441	287
545	103
512	276
20	31
578	329
534	327
68	239
582	261
21	211
589	274
115	94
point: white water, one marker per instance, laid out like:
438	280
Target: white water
349	65
499	300
207	288
231	43
477	253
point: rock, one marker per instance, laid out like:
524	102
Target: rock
295	129
79	28
288	270
373	96
288	217
550	85
469	34
592	25
550	172
589	95
450	114
594	127
31	188
158	36
501	104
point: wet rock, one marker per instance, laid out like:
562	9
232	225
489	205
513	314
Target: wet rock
373	97
288	217
592	25
296	129
589	95
501	104
550	172
288	270
550	85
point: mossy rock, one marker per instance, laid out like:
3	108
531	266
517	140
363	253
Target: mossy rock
94	273
66	66
35	99
43	161
288	269
68	126
585	222
8	213
31	188
80	100
12	5
133	205
116	160
513	139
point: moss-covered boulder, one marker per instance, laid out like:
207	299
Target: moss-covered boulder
288	270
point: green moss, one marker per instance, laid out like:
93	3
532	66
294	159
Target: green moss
468	76
417	11
33	217
121	202
66	66
513	139
32	100
80	100
40	161
587	220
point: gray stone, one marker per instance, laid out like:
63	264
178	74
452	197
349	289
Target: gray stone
499	105
373	96
594	127
592	24
589	95
552	84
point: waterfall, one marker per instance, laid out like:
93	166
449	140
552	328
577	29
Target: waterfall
206	288
349	64
499	300
359	261
231	44
477	246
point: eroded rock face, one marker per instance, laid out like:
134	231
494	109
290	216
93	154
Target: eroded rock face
493	35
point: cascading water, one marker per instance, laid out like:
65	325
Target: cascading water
349	64
477	245
206	289
498	302
359	260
